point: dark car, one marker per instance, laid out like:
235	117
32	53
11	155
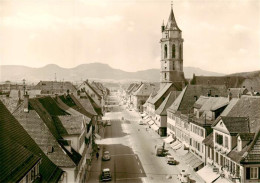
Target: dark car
106	175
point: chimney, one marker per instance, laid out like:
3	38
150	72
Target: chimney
209	93
229	96
26	102
19	95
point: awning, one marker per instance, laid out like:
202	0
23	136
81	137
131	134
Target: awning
168	139
194	161
175	143
187	156
178	146
155	127
98	137
221	180
207	174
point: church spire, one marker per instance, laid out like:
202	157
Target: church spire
172	24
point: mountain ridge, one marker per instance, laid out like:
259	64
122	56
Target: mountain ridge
87	71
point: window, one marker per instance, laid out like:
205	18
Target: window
254	173
180	51
219	139
165	76
173	51
165	51
226	141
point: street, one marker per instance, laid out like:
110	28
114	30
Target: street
132	149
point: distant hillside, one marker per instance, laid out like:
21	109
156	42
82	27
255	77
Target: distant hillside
84	71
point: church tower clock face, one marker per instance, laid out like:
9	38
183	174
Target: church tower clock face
171	52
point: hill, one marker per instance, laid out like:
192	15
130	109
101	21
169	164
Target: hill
91	71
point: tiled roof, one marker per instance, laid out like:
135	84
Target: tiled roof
96	88
73	124
10	103
71	101
253	154
43	137
230	81
214	103
186	99
90	86
236	124
55	87
85	102
95	105
208	141
198	104
145	90
246	136
130	86
250	152
230	105
166	103
10	127
16	160
160	93
247	106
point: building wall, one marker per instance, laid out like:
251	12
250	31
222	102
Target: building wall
197	135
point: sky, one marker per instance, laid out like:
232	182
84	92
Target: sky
219	35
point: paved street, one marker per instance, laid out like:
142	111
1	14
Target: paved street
132	149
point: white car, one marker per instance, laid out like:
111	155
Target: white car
106	156
108	123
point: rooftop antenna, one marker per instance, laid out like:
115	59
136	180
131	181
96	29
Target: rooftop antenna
24	86
171	4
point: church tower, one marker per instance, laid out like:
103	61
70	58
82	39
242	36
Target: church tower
171	53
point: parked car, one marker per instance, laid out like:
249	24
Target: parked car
171	160
160	151
184	177
106	175
108	123
106	156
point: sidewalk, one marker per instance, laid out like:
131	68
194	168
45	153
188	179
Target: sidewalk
95	169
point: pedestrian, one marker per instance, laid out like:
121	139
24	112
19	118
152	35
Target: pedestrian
97	155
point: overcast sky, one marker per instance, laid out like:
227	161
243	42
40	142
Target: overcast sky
219	35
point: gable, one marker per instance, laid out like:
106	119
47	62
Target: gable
220	126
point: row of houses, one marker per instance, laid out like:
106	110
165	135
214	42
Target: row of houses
217	128
49	138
